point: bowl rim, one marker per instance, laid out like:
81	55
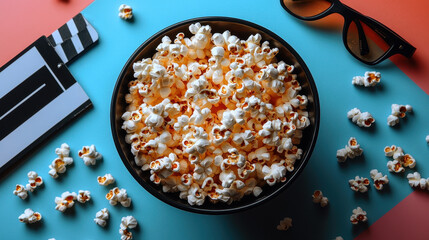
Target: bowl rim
257	201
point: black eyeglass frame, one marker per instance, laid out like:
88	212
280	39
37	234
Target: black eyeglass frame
398	45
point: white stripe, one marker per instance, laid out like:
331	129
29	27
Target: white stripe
23	100
41	122
72	27
92	32
77	44
56	79
60	52
20	70
57	37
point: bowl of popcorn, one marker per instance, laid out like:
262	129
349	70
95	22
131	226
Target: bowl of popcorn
215	115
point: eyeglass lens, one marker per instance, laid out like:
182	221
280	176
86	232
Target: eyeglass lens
307	8
364	42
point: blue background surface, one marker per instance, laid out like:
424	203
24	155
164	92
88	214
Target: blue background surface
332	68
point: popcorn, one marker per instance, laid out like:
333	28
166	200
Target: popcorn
398	111
127	222
34	181
351	150
319	198
275	173
125	12
400	161
65	201
369	80
358	215
361	119
415	180
29	216
101	217
20	191
214	116
379	179
59	164
116	195
83	196
285	224
339	238
359	184
106	179
427	139
89	155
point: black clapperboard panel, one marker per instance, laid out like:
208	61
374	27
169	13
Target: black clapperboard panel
38	94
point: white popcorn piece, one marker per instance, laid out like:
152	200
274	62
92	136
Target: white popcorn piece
20	191
83	196
196	142
199	116
203	169
392	120
230	118
34	181
220	134
319	198
125	234
369	80
351	150
358	215
89	155
398	111
379	179
101	217
116	195
65	201
128	222
401	160
427	139
359	184
364	119
29	216
59	164
105	180
339	238
196	195
285	224
415	180
275	173
125	12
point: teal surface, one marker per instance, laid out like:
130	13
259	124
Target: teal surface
332	68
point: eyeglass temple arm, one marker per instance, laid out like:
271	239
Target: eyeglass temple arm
363	43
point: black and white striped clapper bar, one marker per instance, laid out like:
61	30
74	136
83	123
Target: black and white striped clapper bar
38	94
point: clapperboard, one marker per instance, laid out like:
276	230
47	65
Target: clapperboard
38	94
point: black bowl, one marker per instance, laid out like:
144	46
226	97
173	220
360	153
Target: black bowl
241	29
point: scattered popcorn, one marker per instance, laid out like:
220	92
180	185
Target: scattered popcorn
125	11
379	179
34	180
83	196
361	119
400	161
20	191
351	150
369	80
116	195
359	184
398	111
415	180
101	217
59	164
127	222
319	198
89	155
106	179
65	201
200	109
285	224
29	216
358	215
427	139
